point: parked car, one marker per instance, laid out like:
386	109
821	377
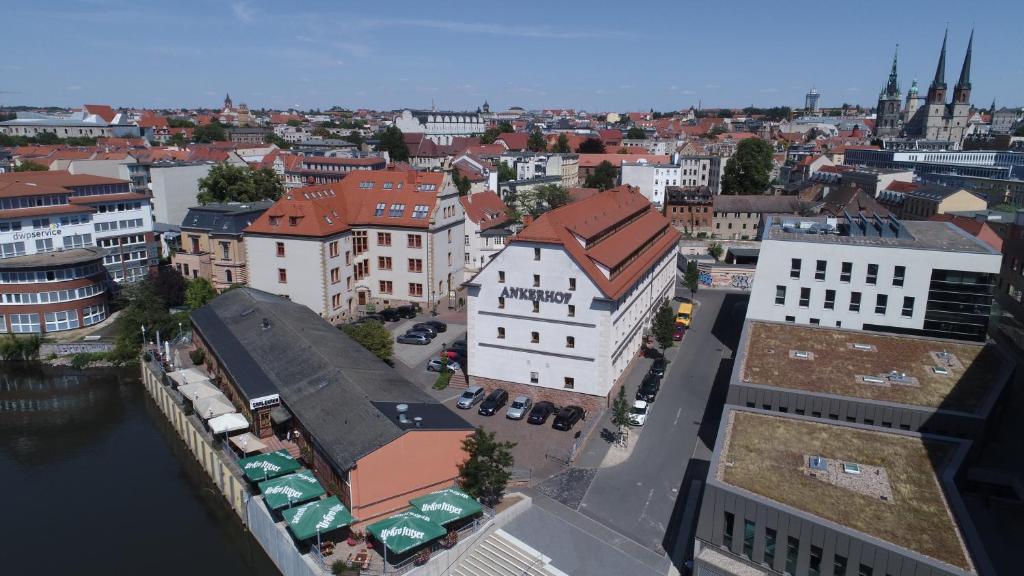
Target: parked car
638	414
470	397
371	318
652	352
435	365
519	408
437	325
567	417
424	327
540	412
421	332
658	367
678	332
418	338
649	388
494	402
408	310
390	315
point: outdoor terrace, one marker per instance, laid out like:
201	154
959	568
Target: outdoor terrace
767	455
834	365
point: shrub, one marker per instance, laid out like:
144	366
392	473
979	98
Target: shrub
84	359
442	380
198	356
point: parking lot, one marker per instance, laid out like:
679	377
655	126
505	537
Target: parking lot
415	355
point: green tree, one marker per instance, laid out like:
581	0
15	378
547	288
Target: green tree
212	132
199	292
591	146
505	172
229	183
604	177
715	250
20	348
461	182
490	135
294	123
144	309
356	138
276	140
717	129
562	146
46	138
536	143
692	277
620	414
392	141
177	140
1019	131
485	472
180	123
636	133
552	195
749	169
30	166
664	324
373	336
169	285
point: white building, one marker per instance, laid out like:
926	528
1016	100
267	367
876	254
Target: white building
560	312
175	187
486	229
91	121
441	127
651	178
376	238
926	278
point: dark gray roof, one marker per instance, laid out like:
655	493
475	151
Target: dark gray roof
343	395
224	218
757	204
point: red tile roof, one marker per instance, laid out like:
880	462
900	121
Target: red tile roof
485	209
103	111
57	179
592	160
899	186
514	140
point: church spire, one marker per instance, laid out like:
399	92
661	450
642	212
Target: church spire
965	72
893	87
940	70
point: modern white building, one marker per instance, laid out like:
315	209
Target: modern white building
175	187
380	237
924	278
560	312
651	178
441	127
91	121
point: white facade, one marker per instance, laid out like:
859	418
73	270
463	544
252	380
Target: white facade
651	179
175	189
441	127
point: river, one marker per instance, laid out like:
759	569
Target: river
94	481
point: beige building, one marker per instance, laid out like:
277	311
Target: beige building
739	217
928	200
212	244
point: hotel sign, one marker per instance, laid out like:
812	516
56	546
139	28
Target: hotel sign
534	294
264	401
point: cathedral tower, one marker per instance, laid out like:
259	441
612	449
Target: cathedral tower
887	121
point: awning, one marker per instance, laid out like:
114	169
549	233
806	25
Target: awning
188	376
446	505
213	406
247	443
270	465
405	531
198	390
318	517
279	414
228	423
287	491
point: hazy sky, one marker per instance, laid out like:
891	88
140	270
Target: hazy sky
596	55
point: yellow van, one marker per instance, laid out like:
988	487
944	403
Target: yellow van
684	314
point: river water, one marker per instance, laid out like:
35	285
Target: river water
94	481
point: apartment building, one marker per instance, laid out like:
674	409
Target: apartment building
313	170
690	209
212	245
486	229
650	178
376	238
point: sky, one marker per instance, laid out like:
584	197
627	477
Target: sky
596	55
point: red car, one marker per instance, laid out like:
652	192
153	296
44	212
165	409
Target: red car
677	335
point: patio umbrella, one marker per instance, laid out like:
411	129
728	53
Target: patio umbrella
269	465
446	505
285	491
403	532
317	517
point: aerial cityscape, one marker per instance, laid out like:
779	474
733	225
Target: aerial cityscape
557	290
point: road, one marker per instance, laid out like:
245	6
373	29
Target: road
638	497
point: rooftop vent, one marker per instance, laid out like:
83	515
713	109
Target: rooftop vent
872	380
265	323
940	370
402	408
864	347
402	418
801	354
418	420
851	468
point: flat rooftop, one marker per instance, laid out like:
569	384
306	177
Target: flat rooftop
65	257
914	235
836	366
767	455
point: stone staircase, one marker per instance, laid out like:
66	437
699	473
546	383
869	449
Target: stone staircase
458	380
500	554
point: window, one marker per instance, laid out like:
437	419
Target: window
24	323
792	549
415	289
335	275
225	251
872	274
908	306
384	262
881	300
379	211
335	301
359	242
63	320
348	258
280	249
727	530
536	280
415	241
44	245
570	341
898	275
536	253
535	337
534	377
333	249
814	564
769	546
228	276
419	211
865	570
572	284
536	306
830	299
501	276
780	295
396	210
819	271
854	301
749	528
93	314
572	310
569	382
501	333
790	319
839	565
415	265
282	276
805	297
815	321
501	302
794	268
383	238
847	272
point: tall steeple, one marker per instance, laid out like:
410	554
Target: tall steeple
893	87
965	73
937	91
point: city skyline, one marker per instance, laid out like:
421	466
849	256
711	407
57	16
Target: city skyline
455	58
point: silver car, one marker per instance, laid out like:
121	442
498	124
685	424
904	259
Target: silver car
470	397
519	408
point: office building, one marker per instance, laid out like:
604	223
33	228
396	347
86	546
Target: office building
211	243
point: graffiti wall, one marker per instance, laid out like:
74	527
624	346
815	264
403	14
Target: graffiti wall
726	276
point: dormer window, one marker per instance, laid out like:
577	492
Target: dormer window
379	211
293	221
275	220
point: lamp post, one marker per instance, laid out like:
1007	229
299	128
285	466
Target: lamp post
143	338
179	332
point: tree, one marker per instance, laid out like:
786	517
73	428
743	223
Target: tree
169	285
392	141
536	142
1019	131
604	176
553	195
636	133
490	135
229	183
715	250
46	138
199	292
620	414
277	141
664	324
180	123
178	140
717	129
692	277
485	472
212	132
294	123
562	146
356	138
373	336
505	172
30	166
462	183
144	309
591	146
748	170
